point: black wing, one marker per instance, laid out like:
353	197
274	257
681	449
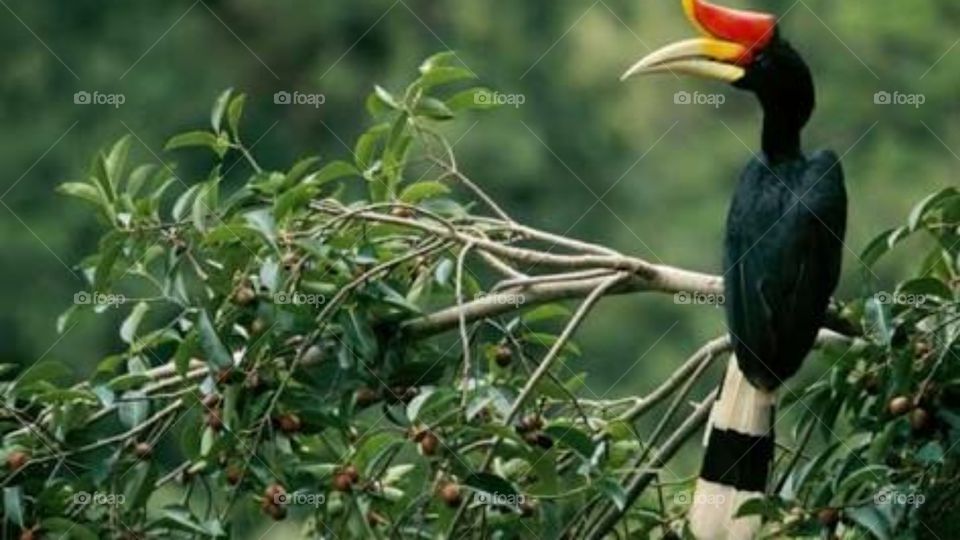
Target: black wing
783	254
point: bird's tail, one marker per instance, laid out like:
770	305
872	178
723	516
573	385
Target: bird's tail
739	450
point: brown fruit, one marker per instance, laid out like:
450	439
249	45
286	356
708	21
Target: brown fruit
234	474
290	258
829	517
142	450
252	381
503	356
342	482
352	473
366	396
211	400
277	512
920	420
17	459
418	433
275	494
451	495
402	212
531	422
289	423
214	421
429	444
900	405
527	508
544	441
244	295
313	355
258	326
30	534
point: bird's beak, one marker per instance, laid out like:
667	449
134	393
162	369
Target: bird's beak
704	57
730	39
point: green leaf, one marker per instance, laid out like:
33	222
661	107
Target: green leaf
444	75
613	491
759	506
116	159
366	146
214	350
433	108
133	408
545	312
219	107
111	246
82	190
420	191
219	145
234	112
13	505
437	60
491	483
928	204
871	519
332	171
292	199
299	170
181	518
128	329
386	98
571	437
474	98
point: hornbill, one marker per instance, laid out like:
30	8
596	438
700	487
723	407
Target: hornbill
782	251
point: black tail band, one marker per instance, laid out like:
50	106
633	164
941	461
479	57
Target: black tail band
738	460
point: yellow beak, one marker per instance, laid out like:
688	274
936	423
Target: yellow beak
704	57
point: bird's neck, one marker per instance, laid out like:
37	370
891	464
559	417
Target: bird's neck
781	134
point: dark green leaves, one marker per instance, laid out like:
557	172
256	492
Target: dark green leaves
214	350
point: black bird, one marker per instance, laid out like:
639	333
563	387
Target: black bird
782	252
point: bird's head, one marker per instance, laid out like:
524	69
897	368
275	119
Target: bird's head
743	48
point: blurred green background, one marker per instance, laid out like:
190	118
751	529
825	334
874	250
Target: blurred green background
619	164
